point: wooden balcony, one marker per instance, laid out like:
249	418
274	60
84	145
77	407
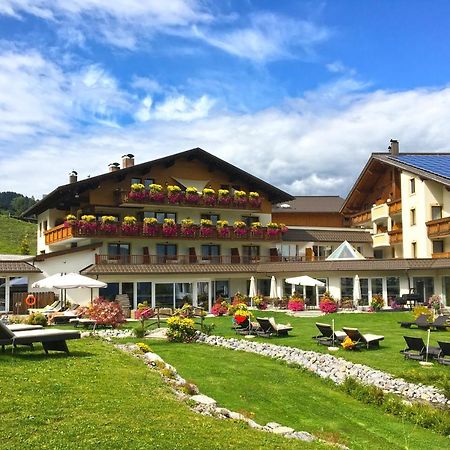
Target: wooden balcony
189	259
396	236
140	230
395	207
438	228
362	218
440	255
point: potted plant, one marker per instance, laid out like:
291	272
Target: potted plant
273	229
377	302
209	196
192	196
296	303
223	229
259	302
220	308
328	305
108	224
256	230
70	221
169	228
254	199
129	225
156	193
240	228
137	192
224	198
240	198
206	228
174	194
187	227
151	227
88	223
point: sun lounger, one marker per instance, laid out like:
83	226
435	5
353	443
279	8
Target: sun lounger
54	307
366	340
50	339
269	327
416	349
421	322
23	327
326	337
441	323
444	355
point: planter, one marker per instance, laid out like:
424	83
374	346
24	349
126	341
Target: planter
206	231
175	198
193	199
130	229
138	196
157	197
150	230
209	200
223	232
169	231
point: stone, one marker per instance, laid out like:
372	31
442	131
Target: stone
283	430
272	425
203	400
236	416
152	357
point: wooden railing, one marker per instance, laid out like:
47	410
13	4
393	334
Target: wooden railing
440	255
395	207
192	259
438	228
396	236
140	230
360	218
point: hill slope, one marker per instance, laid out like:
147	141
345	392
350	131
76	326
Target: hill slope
13	231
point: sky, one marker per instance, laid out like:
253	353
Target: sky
299	93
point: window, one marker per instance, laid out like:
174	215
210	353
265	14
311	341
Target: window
436	212
378	254
250	253
128	289
225	186
322	289
183	294
119	252
164	294
45	225
248	220
364	285
393	288
144	292
438	246
146	181
262	286
110	291
413	250
412	186
346	288
212	217
211	252
40	228
412	216
166	252
221	289
322	251
136	181
377	286
160	216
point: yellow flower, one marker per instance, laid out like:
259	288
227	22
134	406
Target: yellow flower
150	221
137	187
88	218
253	194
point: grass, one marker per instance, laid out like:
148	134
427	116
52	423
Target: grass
269	390
101	398
387	358
12	232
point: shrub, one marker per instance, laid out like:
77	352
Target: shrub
220	308
346	303
259	302
105	312
296	304
328	305
281	303
144	347
419	310
236	305
36	319
377	302
208	328
435	303
180	329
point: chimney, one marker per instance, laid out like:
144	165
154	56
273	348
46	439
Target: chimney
113	167
394	149
73	177
127	161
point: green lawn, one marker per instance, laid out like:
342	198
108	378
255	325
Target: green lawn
386	358
269	390
102	398
12	232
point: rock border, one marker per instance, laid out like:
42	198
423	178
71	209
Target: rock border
333	368
207	406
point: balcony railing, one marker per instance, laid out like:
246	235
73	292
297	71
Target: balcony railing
395	207
140	230
380	240
396	236
440	255
438	228
379	212
191	259
361	218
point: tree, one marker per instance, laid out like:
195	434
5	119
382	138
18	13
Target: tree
25	246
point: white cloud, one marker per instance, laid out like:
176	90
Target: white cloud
183	109
268	37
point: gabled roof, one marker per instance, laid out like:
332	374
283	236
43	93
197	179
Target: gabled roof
311	204
17	267
345	252
67	191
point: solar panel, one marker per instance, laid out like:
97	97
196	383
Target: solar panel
436	164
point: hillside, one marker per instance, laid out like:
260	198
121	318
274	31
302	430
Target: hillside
12	232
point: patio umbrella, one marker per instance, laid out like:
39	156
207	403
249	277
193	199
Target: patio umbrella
305	280
252	290
356	290
273	288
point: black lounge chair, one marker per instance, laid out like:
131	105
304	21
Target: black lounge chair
269	327
360	340
444	356
245	327
416	349
421	322
50	339
23	327
326	337
441	323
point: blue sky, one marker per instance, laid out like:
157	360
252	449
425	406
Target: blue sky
298	93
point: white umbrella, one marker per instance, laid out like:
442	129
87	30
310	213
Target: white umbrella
68	281
305	280
273	288
252	290
356	290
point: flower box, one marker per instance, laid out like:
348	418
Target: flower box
130	229
150	230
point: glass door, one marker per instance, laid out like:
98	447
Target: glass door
424	286
164	295
3	304
203	297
